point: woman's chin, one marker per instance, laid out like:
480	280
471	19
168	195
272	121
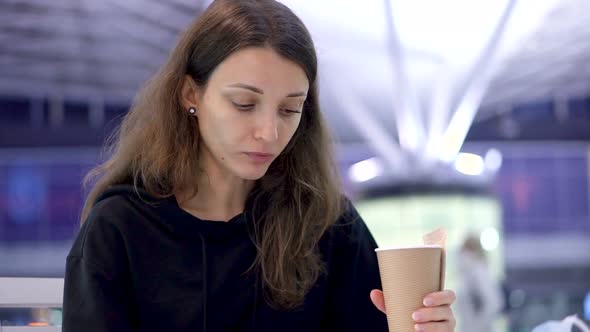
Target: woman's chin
252	173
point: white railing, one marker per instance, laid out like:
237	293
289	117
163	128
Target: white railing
30	329
31	293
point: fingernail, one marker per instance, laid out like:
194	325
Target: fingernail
416	316
419	327
428	302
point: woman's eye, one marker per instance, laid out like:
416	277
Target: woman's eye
289	111
243	107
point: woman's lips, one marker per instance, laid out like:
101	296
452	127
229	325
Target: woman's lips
259	157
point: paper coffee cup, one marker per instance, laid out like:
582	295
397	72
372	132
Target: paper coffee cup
408	274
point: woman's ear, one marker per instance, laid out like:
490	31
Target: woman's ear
190	93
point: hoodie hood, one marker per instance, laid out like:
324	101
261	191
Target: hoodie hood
171	216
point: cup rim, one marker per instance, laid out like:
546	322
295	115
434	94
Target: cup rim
409	247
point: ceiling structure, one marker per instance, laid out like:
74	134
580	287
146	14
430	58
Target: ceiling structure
101	51
86	49
553	61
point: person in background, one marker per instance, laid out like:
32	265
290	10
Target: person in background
219	208
479	296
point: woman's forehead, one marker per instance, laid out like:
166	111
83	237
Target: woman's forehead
260	67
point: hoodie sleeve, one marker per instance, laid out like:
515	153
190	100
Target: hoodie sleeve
353	274
97	287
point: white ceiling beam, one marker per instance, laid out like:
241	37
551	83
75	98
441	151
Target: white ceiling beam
371	130
409	124
474	89
440	111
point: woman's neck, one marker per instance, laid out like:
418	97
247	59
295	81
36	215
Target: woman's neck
220	196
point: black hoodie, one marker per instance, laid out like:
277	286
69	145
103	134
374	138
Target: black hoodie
144	264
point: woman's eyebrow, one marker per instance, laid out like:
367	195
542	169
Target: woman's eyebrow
259	91
247	87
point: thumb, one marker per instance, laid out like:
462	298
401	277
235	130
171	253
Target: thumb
378	299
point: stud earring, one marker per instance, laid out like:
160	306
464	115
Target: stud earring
192	110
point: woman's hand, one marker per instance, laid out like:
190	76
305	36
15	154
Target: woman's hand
436	316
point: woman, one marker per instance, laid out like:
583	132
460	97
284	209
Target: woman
219	209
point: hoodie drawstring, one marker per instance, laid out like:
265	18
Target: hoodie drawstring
204	273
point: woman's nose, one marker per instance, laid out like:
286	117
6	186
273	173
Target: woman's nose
267	128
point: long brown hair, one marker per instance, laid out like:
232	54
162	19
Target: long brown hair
157	143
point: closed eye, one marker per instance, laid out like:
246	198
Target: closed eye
288	111
243	107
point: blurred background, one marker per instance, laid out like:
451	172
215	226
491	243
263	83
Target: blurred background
472	115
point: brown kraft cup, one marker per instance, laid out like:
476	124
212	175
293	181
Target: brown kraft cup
408	274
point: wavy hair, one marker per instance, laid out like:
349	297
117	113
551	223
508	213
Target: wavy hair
157	144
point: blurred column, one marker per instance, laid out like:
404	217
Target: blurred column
36	112
56	111
96	115
561	108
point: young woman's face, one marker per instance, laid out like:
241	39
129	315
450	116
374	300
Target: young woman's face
250	110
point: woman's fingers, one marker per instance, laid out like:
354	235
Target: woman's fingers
446	297
378	300
435	314
435	327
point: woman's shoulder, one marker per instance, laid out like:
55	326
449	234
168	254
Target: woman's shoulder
350	226
107	223
349	216
120	202
112	205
